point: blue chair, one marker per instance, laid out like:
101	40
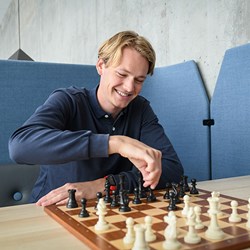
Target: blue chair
179	99
230	109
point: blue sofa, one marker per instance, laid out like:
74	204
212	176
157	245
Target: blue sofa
177	95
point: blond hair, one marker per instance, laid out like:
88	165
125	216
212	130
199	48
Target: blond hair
111	50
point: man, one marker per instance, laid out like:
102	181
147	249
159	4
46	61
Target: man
80	136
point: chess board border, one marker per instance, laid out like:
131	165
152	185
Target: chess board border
95	242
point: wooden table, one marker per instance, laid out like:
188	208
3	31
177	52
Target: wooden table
29	227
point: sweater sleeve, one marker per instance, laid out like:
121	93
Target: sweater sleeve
48	137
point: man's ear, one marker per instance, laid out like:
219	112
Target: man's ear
100	65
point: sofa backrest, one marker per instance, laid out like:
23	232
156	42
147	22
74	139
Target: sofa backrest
230	109
24	86
178	97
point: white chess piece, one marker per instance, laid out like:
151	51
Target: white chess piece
149	234
234	217
170	232
130	235
101	224
213	195
214	232
248	215
186	200
140	241
198	222
192	237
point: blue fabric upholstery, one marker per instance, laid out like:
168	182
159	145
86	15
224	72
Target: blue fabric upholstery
24	86
230	108
178	96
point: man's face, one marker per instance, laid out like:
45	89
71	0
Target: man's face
119	85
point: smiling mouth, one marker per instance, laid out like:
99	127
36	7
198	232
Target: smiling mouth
122	93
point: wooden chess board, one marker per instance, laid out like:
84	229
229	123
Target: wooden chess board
237	236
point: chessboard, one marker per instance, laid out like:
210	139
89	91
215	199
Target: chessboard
237	235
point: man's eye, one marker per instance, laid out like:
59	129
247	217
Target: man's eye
120	74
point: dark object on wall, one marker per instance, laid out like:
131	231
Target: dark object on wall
20	55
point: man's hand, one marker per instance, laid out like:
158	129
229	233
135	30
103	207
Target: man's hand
60	195
145	158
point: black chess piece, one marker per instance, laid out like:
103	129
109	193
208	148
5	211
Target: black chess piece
166	195
172	206
185	181
142	191
98	196
175	189
182	189
114	202
151	196
136	199
193	188
84	213
72	199
124	202
107	198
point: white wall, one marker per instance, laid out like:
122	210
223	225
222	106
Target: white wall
70	31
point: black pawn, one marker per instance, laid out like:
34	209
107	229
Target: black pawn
72	199
114	202
193	188
151	197
172	206
98	196
136	199
84	213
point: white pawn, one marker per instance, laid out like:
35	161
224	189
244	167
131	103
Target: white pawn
185	209
198	222
149	234
130	235
192	237
248	215
234	217
170	233
140	241
101	224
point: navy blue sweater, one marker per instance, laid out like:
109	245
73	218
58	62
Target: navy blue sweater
68	136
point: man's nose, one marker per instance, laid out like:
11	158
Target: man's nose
129	84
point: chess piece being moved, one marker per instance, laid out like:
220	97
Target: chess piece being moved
151	197
192	237
170	232
234	217
130	235
101	224
72	199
